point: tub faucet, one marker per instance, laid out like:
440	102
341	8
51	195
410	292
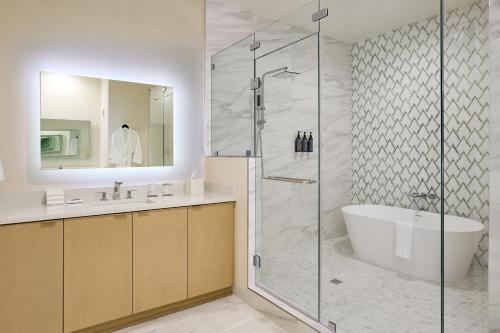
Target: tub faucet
416	195
116	190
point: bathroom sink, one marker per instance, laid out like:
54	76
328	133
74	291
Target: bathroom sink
123	202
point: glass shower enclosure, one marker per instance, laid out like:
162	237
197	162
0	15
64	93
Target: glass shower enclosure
339	108
265	97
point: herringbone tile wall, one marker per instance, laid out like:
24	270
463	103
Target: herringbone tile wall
396	145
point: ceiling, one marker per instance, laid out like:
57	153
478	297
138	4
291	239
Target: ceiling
351	20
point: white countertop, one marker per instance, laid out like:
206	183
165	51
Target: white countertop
44	213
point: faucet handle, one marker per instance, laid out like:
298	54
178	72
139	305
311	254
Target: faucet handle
118	183
432	196
129	193
167	189
103	196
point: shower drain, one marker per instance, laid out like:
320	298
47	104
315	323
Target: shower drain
336	281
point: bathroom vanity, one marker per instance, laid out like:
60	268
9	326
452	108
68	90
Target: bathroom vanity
91	268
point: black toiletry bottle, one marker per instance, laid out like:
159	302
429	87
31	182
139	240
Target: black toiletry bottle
298	143
310	143
304	143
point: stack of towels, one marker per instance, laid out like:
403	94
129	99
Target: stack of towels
55	196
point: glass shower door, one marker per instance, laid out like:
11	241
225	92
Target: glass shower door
287	181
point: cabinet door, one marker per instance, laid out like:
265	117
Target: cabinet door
210	248
160	258
97	270
31	286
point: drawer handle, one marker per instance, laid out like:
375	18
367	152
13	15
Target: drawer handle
47	223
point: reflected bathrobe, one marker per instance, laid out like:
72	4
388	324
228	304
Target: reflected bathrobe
125	148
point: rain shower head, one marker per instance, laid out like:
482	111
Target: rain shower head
286	74
282	73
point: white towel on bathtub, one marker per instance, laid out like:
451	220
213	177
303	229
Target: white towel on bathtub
403	239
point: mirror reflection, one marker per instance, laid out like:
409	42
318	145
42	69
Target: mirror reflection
99	123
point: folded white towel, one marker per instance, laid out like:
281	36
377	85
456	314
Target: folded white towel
55	197
403	239
54	192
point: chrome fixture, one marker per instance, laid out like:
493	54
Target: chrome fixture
103	196
291	180
332	326
257	84
152	191
129	194
257	260
281	72
417	195
116	190
322	13
254	46
167	189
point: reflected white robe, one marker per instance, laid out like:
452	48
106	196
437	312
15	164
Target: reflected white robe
125	148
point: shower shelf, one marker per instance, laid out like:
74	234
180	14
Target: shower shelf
291	180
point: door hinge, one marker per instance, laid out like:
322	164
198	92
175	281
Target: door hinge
256	261
212	67
322	13
255	83
255	45
332	326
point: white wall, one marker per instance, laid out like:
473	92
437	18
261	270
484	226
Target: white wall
98	39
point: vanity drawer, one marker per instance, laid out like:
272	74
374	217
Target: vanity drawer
160	258
210	248
97	270
31	268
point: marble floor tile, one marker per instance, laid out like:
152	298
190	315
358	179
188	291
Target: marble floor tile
226	315
364	298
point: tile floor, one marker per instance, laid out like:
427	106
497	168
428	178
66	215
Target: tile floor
226	315
371	299
365	299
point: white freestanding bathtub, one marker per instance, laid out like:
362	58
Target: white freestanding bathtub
371	230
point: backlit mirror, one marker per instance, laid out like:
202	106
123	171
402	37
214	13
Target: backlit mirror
99	123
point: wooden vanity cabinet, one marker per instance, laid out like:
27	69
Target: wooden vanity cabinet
97	270
160	258
96	273
31	273
210	248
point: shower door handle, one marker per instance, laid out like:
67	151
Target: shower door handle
291	180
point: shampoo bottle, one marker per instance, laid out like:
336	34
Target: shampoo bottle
310	143
298	143
304	143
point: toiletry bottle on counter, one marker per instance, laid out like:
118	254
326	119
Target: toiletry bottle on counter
298	143
310	143
304	143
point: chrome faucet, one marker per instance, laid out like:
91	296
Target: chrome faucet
416	195
116	190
